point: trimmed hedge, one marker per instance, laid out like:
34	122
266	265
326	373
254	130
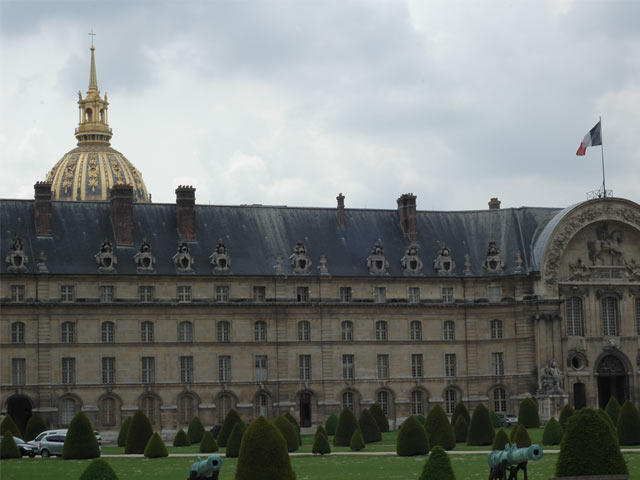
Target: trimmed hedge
332	424
347	424
369	427
461	429
438	466
439	429
565	413
295	423
321	442
8	425
35	426
605	416
495	419
459	411
500	440
139	433
124	431
234	442
481	430
629	424
520	436
357	442
613	409
8	447
321	431
81	441
552	434
528	413
381	418
195	430
230	420
421	418
181	439
208	444
589	447
155	448
98	470
288	431
412	439
263	454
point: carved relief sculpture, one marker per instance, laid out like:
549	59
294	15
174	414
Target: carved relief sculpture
633	270
144	259
105	258
300	261
606	249
17	258
411	263
183	259
376	262
579	271
551	379
493	263
220	258
444	264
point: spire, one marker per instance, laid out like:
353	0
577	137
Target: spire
93	78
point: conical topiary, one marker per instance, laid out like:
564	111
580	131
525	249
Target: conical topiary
235	440
195	430
439	429
459	411
8	425
552	434
295	423
605	416
495	419
628	424
321	431
347	424
181	439
357	442
288	431
321	442
461	429
230	420
263	454
589	447
421	418
35	426
8	447
412	439
500	440
520	436
155	447
208	444
98	470
80	441
481	430
381	418
438	466
528	413
139	433
369	427
613	409
565	413
124	431
331	424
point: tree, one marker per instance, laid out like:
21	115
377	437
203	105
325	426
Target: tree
439	429
347	424
288	431
81	441
461	429
235	440
495	419
124	431
155	447
613	409
500	440
331	424
460	410
628	424
8	447
321	431
481	430
139	433
412	439
8	425
208	444
438	466
552	434
263	454
321	442
230	420
35	426
295	423
520	436
357	442
381	418
565	413
195	430
528	413
181	439
369	427
98	470
605	416
589	447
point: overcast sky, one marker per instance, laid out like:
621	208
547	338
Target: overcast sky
292	102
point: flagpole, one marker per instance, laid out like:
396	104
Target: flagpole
604	185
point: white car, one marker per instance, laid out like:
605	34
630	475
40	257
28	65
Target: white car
61	431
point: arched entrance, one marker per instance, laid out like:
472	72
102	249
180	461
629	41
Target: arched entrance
19	407
579	395
305	409
612	380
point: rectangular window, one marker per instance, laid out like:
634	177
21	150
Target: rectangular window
345	294
68	371
446	294
106	293
224	368
380	294
347	331
222	293
186	369
184	293
497	363
609	316
108	370
416	365
302	294
574	317
449	330
18	371
414	294
347	367
449	364
494	294
259	294
17	293
261	368
67	293
145	293
148	369
304	364
382	364
638	316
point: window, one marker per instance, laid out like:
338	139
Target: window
304	363
380	294
186	369
417	403
449	364
18	371
347	367
262	405
224	368
381	330
609	316
383	400
449	330
149	408
185	331
259	294
345	294
500	400
223	332
260	331
67	410
108	370
450	401
148	370
496	329
222	293
446	294
17	332
347	331
17	293
108	412
184	293
304	331
638	316
107	332
106	293
416	365
414	294
302	294
415	330
347	400
146	332
67	293
145	293
261	368
574	317
497	363
224	404
495	294
69	371
186	407
67	332
383	366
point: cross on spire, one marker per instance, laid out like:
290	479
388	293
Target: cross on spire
92	35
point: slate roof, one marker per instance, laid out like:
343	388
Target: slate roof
256	235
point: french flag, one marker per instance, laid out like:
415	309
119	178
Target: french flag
591	139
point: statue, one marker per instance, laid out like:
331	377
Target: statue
579	271
551	379
633	270
606	249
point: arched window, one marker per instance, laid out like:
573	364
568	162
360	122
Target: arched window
108	412
347	400
67	410
224	404
102	116
186	408
415	330
87	115
149	407
574	317
381	330
260	331
185	332
450	400
262	405
609	316
347	331
146	332
500	400
417	402
304	331
383	400
223	332
67	334
107	332
449	330
17	332
496	329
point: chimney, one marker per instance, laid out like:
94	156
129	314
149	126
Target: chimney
407	212
340	199
121	213
43	208
186	212
494	204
